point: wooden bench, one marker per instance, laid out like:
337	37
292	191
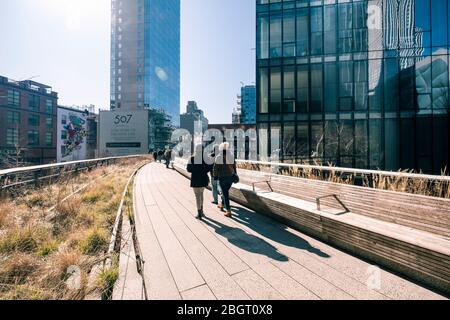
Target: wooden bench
415	211
376	226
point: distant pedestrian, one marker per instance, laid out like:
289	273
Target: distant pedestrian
160	155
155	156
168	157
215	186
226	172
199	170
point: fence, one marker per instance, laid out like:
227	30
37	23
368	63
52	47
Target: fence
35	175
429	185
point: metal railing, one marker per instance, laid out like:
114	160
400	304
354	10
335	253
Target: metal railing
431	185
35	175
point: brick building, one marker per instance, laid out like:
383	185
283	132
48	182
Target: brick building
28	119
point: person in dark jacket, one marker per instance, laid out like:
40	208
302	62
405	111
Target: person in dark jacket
225	171
215	183
155	156
168	157
199	178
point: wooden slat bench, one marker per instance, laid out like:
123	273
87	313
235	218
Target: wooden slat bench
415	211
388	228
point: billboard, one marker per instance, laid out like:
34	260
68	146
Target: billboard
123	133
72	134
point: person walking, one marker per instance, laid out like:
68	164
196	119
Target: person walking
226	172
160	156
199	170
168	156
215	186
155	156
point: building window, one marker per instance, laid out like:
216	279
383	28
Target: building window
12	137
316	31
33	120
33	138
316	88
302	32
63	119
63	135
49	122
263	90
289	89
330	25
49	139
33	102
13	117
263	36
275	90
303	141
345	28
49	106
276	36
302	88
13	98
289	34
346	85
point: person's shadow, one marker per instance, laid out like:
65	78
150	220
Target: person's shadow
273	230
246	241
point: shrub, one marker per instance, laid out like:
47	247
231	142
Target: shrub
107	280
17	268
27	293
17	240
48	248
95	242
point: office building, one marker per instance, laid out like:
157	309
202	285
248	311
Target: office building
357	84
160	130
27	123
145	59
247	105
145	55
193	116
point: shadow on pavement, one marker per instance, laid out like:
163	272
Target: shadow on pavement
246	241
273	230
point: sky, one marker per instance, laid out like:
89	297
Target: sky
66	44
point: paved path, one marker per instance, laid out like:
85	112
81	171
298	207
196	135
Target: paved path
247	257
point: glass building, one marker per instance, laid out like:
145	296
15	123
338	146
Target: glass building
248	105
145	56
354	83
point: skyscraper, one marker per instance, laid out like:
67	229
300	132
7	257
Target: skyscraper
145	56
357	83
248	105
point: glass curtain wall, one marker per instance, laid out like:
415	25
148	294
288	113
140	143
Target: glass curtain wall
357	83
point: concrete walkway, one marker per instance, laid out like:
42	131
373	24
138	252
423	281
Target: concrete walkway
247	257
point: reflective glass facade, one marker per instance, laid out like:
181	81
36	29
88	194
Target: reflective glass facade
145	56
355	83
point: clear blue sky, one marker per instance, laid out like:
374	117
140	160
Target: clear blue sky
66	43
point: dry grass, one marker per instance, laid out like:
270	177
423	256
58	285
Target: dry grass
5	210
399	184
38	250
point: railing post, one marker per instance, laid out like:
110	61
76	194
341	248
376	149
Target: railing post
36	179
3	179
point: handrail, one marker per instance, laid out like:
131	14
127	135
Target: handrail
34	174
358	172
361	172
61	164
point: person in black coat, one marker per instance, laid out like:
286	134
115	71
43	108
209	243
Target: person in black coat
199	177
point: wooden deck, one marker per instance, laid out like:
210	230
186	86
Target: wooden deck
248	257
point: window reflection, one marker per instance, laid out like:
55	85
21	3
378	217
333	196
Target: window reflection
367	82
